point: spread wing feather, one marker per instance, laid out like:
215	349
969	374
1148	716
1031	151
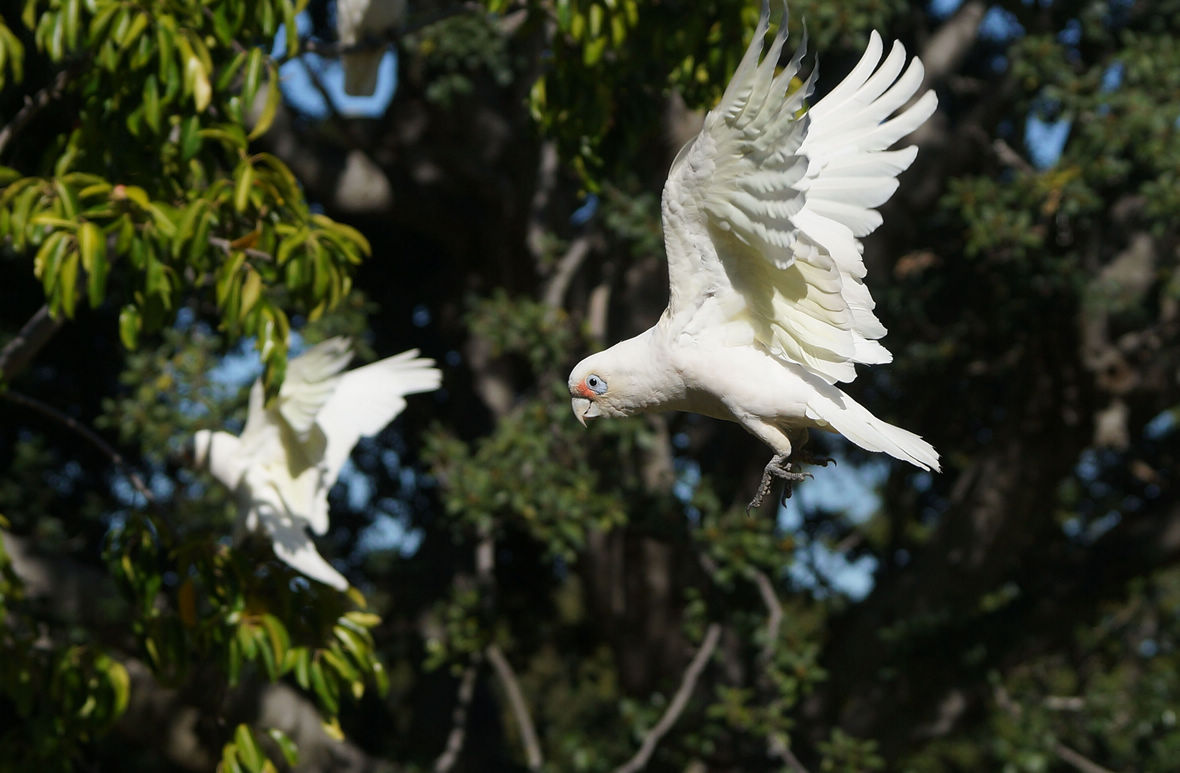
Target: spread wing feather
769	202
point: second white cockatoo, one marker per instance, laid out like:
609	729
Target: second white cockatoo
356	21
763	212
290	452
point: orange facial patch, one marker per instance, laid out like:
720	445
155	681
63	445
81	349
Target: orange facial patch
584	391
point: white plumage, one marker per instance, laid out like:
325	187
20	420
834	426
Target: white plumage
290	453
355	21
763	212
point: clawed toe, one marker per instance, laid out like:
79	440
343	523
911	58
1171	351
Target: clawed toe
777	467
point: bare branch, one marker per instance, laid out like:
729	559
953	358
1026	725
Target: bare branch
679	701
21	349
1009	156
34	105
90	435
520	709
947	47
774	614
1077	761
559	282
458	733
227	246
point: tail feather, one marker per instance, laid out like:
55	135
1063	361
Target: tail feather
852	420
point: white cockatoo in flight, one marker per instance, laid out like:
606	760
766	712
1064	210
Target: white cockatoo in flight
763	212
290	452
357	20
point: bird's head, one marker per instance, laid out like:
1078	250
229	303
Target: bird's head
598	387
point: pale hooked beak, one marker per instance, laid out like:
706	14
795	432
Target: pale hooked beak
584	409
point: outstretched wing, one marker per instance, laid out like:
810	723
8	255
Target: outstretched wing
365	400
763	211
284	432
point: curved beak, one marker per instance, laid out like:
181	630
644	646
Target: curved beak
584	409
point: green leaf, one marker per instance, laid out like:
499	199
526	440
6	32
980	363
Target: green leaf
290	27
325	688
120	685
229	760
151	102
133	31
286	746
129	327
303	668
48	258
190	137
248	751
271	106
280	642
269	662
72	12
254	65
347	231
92	245
68	198
243	180
67	286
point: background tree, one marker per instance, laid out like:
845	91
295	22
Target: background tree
183	182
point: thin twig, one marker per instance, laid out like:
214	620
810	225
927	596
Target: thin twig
34	105
28	341
227	246
458	733
567	267
1069	756
50	412
679	701
520	709
1077	761
774	615
774	619
1009	156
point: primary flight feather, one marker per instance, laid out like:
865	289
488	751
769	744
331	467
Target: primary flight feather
291	452
763	212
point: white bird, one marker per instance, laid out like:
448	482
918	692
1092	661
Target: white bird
357	20
762	216
290	452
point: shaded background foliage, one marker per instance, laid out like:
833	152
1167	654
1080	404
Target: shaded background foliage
530	595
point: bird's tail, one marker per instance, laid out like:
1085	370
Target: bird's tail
852	420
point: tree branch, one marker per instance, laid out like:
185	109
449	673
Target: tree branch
520	709
559	282
34	105
18	352
1077	761
228	246
73	424
679	702
458	734
774	614
774	620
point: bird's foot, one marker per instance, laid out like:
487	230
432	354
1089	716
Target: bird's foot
777	467
803	457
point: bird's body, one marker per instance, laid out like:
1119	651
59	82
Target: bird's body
291	452
762	214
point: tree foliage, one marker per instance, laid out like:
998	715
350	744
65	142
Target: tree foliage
530	595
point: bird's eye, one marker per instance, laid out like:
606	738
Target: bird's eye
596	384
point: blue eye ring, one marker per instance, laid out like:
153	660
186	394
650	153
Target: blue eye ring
596	384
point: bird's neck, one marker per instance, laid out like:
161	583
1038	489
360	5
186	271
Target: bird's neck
653	381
